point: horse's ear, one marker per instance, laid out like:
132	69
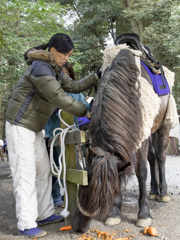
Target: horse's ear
122	166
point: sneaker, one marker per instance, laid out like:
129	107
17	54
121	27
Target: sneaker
59	203
33	232
51	219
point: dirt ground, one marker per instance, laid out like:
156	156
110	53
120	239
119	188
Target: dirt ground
166	216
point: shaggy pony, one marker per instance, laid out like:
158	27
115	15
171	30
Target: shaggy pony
115	127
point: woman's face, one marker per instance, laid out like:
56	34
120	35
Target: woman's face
60	58
65	71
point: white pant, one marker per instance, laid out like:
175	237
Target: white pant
31	174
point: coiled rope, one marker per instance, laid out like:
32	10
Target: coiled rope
55	170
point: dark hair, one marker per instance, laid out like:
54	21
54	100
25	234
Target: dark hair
60	41
69	67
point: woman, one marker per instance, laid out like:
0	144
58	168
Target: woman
38	91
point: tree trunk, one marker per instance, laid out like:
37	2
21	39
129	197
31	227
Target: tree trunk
2	114
123	25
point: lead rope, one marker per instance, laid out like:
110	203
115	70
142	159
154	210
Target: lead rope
54	168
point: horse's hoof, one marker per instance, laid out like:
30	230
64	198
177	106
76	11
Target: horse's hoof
164	199
153	197
144	222
112	221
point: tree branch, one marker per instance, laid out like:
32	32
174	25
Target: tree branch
75	9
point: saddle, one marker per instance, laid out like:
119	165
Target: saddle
151	64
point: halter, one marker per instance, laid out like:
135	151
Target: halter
84	212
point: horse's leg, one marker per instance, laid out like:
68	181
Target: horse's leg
162	143
154	193
114	217
144	216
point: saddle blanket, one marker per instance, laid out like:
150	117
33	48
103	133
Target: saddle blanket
157	82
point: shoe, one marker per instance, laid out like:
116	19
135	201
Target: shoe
59	203
51	219
33	232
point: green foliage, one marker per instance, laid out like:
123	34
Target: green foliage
91	24
159	21
156	22
94	23
24	24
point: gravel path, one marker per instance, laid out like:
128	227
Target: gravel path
166	216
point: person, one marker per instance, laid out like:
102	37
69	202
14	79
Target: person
2	150
4	147
1	143
53	123
37	92
173	134
68	70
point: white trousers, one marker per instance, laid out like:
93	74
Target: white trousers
31	174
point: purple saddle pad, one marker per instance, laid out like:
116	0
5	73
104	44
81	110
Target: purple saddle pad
157	82
83	120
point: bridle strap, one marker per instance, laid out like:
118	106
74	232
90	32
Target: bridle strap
84	211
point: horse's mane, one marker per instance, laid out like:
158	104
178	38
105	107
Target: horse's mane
116	114
114	129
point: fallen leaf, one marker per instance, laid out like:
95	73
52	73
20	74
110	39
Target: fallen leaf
127	230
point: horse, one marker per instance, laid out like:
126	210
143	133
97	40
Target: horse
116	123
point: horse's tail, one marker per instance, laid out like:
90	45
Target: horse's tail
103	185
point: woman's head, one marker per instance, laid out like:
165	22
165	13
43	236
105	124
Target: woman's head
61	42
68	70
61	47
